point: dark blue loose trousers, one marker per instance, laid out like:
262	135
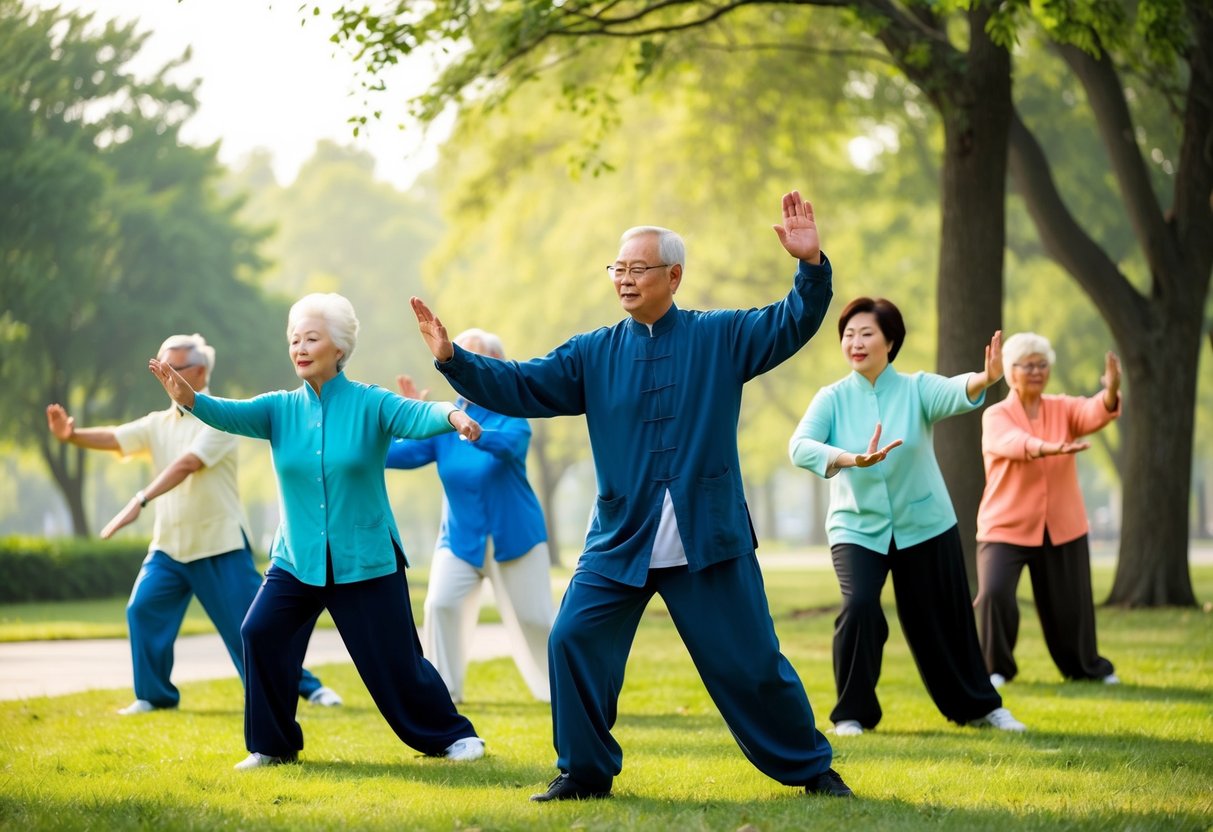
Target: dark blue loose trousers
376	623
721	613
224	584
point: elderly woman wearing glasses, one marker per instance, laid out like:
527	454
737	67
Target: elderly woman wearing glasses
337	547
1032	514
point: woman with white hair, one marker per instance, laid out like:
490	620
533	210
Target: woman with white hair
337	547
1032	514
492	529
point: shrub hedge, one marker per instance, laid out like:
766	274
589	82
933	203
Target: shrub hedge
65	569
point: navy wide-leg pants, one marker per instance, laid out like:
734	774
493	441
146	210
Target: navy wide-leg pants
721	613
376	624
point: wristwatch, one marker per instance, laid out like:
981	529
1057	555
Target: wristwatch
142	498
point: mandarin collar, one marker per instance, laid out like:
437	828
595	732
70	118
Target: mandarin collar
331	388
887	377
660	327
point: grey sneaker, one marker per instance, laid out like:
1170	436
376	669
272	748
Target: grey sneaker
465	750
847	728
325	698
997	680
1001	719
259	760
140	706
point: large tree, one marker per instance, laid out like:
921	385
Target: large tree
111	236
957	53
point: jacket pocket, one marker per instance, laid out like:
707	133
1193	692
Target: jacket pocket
373	545
723	509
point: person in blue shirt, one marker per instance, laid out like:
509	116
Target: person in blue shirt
661	393
896	516
337	547
492	528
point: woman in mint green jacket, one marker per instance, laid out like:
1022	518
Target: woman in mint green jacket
337	547
890	512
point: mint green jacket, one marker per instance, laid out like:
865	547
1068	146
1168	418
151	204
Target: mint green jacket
328	454
904	497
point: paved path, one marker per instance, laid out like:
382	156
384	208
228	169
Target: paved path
53	668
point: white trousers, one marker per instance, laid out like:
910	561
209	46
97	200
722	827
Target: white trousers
523	590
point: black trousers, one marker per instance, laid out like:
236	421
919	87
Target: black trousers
936	616
376	624
1061	586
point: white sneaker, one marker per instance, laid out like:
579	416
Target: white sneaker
465	750
847	728
1111	679
139	706
1001	719
997	680
325	698
259	760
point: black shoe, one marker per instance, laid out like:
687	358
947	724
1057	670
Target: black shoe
566	788
828	782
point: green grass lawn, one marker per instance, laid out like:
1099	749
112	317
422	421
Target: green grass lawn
1137	756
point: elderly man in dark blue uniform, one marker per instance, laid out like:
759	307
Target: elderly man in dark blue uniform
661	392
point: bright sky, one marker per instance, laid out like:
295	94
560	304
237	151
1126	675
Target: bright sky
269	82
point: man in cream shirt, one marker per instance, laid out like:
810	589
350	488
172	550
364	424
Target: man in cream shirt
199	541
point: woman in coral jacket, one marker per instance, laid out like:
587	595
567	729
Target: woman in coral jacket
1032	514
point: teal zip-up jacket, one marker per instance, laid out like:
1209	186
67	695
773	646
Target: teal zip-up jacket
661	406
903	497
328	455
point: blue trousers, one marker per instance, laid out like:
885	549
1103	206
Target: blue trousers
225	586
721	613
376	624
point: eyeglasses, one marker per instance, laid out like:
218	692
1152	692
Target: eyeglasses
182	368
617	271
1034	367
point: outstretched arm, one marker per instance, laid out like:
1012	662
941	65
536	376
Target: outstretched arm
991	372
64	429
165	481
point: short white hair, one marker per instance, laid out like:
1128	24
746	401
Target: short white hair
1022	344
337	313
670	247
491	342
201	354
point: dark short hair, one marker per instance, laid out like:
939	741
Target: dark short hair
888	318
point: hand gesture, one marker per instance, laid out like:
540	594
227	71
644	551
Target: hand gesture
177	388
467	427
125	517
1111	373
798	234
409	390
62	425
993	368
874	453
432	331
1063	448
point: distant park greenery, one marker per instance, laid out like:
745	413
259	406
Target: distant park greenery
37	569
112	237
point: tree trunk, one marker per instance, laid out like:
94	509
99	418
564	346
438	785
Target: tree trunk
1153	566
973	237
67	466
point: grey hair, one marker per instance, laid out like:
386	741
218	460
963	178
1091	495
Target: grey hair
338	314
670	247
201	354
491	341
1021	345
